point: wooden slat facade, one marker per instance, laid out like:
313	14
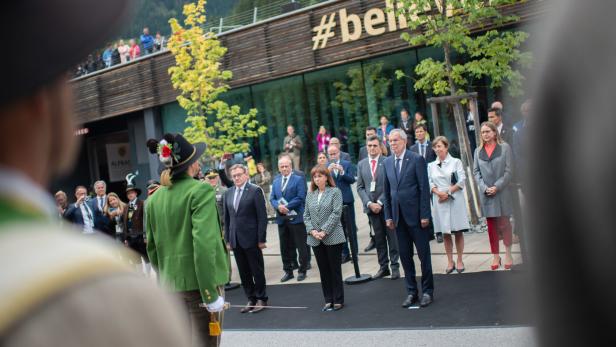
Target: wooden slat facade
273	49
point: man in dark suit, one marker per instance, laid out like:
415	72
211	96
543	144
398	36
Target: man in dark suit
101	222
422	146
363	151
287	197
407	210
343	173
245	229
495	115
370	187
84	212
405	123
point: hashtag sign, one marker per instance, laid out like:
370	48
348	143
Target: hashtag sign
324	31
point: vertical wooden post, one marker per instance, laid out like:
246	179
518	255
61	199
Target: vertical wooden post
466	158
435	123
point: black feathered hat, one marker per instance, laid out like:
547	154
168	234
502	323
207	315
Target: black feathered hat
175	152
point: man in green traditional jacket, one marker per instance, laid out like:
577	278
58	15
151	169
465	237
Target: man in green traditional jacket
185	243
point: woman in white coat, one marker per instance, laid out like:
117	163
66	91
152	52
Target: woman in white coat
446	175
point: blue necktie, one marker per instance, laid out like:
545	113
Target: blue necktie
398	167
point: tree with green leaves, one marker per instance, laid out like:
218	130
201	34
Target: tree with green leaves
453	25
465	28
198	75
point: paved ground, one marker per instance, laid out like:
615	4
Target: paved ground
475	337
477	256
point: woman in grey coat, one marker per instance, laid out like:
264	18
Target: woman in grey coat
493	172
325	234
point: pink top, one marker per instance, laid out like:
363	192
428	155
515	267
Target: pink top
135	52
323	141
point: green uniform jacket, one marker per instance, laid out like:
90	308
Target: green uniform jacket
185	242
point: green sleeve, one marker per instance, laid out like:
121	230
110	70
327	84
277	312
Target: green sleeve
206	239
149	236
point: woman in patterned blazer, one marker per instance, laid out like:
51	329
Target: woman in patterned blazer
325	234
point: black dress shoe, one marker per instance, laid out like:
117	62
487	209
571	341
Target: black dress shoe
439	237
346	258
301	276
381	273
425	300
287	276
309	266
395	274
410	300
371	245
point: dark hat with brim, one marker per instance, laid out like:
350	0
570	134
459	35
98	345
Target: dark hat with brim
52	37
199	149
133	188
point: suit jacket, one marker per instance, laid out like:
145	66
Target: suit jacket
137	220
247	226
408	192
294	194
408	128
363	153
345	156
507	134
364	179
73	214
185	242
430	154
324	216
343	182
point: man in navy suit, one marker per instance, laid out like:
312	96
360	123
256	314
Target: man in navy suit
422	146
407	210
343	173
84	212
287	197
245	228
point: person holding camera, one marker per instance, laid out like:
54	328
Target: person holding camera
446	177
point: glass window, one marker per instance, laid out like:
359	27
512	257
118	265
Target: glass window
386	94
337	99
281	103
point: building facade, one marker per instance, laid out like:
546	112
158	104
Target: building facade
331	64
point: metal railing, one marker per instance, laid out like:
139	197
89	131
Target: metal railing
219	25
272	9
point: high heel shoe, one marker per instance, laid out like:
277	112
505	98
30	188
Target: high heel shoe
494	267
449	270
461	269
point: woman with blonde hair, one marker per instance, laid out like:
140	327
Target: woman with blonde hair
114	210
493	172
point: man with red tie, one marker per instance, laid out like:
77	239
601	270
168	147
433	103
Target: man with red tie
370	188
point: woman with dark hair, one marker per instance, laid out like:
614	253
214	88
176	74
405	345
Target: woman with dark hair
325	234
493	172
383	129
322	159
